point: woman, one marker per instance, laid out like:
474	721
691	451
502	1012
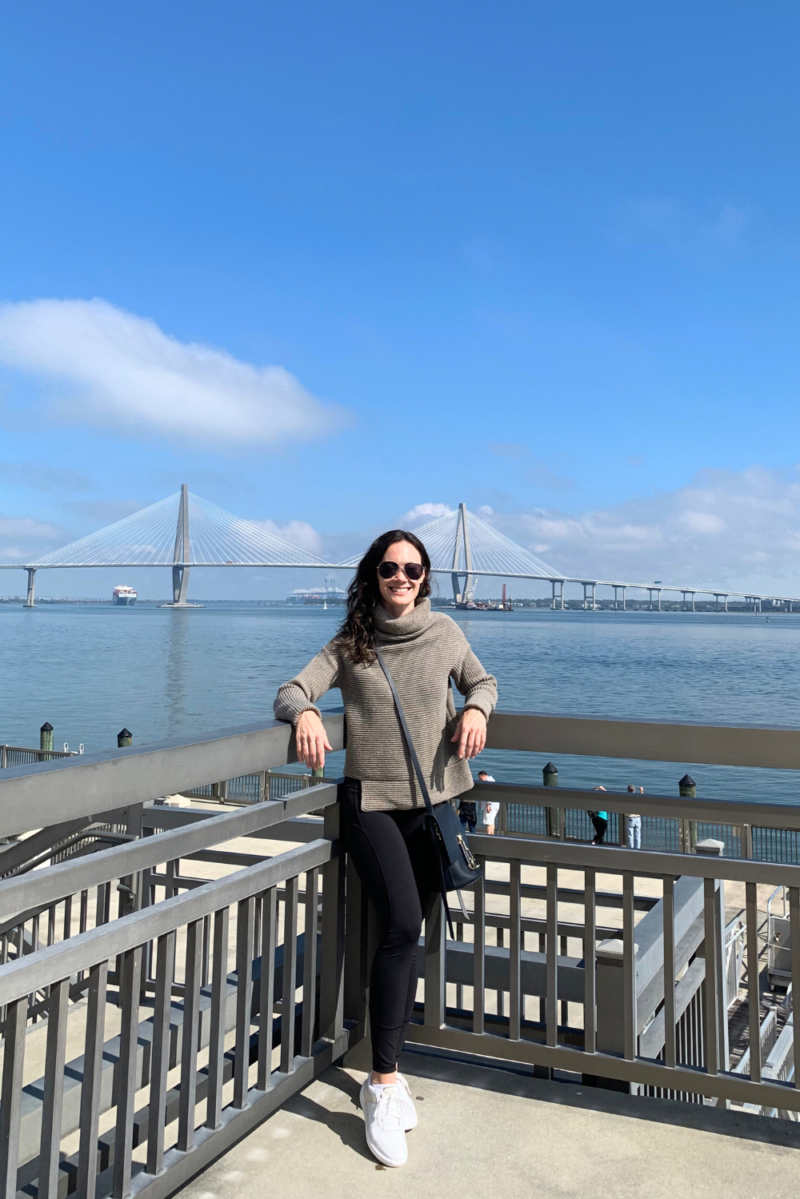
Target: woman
382	809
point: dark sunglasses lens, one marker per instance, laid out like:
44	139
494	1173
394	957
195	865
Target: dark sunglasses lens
412	570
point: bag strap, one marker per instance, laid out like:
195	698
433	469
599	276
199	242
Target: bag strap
401	716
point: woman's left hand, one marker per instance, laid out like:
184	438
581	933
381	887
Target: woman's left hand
470	733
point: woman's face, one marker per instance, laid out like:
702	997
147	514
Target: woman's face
399	593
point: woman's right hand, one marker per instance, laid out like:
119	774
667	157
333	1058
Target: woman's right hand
311	740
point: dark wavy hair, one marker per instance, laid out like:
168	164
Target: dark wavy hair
357	634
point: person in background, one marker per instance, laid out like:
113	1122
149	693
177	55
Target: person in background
468	814
633	822
489	809
599	822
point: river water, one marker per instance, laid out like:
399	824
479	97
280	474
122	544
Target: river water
90	670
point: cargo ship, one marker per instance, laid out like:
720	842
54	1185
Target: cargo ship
125	597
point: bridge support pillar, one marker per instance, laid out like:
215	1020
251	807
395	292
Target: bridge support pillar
594	597
624	608
30	601
180	584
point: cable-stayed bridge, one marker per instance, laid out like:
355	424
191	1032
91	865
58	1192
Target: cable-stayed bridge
185	531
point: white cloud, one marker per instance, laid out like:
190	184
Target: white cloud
23	538
298	532
703	234
426	511
737	529
121	369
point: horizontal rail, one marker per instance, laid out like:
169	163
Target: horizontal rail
776	748
724	1085
712	811
640	862
89	783
45	966
66	878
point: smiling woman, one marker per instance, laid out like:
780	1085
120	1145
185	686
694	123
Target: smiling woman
382	808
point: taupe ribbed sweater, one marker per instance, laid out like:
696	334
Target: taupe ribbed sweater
423	651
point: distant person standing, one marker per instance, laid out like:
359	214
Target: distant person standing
468	814
599	823
633	823
489	809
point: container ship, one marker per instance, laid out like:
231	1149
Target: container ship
125	597
328	594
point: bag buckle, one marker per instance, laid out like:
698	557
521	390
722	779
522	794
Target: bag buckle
467	852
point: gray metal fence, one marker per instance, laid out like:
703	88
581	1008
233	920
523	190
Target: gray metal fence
186	987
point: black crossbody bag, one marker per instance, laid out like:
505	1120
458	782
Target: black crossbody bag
457	867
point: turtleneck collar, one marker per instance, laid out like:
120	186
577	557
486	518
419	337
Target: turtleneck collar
402	628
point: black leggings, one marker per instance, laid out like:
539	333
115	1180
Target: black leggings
393	856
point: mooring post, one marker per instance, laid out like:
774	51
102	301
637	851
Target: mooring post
687	789
124	738
46	737
554	817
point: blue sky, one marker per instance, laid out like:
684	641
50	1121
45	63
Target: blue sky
542	258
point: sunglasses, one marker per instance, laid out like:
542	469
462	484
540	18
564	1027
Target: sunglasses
412	570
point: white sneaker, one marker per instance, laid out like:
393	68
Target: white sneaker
384	1115
409	1111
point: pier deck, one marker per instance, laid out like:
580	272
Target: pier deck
491	1132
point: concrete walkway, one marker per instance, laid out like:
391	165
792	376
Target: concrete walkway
486	1132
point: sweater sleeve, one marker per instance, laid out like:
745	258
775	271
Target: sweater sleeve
301	693
478	688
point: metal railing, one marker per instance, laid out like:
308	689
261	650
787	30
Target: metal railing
18	755
208	997
253	788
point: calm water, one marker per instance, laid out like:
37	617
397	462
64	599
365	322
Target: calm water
91	670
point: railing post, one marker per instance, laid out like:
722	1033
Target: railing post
356	971
611	1008
331	996
747	840
550	779
716	971
435	961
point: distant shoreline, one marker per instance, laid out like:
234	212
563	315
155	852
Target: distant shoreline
543	604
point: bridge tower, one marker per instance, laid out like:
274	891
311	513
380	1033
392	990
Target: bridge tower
182	555
470	581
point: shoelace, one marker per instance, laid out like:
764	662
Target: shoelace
388	1110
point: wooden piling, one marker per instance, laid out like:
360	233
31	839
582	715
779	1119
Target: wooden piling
550	779
687	789
46	736
124	738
